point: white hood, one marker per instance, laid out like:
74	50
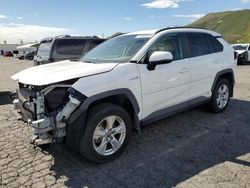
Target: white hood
240	51
60	71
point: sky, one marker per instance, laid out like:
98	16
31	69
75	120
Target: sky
32	20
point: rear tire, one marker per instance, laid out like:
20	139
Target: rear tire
107	133
220	96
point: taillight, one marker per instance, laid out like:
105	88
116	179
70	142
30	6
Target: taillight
235	55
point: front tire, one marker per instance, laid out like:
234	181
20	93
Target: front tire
220	96
107	133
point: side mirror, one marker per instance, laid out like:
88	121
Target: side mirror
158	58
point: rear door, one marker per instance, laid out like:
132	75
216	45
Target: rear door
204	57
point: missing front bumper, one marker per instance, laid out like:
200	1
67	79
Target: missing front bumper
47	127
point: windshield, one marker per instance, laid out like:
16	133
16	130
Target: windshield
119	49
240	47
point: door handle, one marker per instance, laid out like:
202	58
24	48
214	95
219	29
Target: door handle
184	70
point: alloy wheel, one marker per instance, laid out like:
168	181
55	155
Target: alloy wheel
109	135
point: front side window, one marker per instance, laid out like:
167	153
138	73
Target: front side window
119	49
168	43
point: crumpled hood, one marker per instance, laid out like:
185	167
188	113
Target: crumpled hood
60	71
240	51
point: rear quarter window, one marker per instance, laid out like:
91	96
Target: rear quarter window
70	47
215	44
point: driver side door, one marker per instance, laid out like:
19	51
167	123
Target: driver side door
166	88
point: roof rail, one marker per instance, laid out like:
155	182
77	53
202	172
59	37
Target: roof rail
48	39
91	36
60	36
181	27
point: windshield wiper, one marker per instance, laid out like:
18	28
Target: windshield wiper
74	59
88	61
133	61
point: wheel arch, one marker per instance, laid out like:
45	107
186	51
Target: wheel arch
122	97
227	74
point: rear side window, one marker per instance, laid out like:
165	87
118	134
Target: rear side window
216	46
70	46
198	44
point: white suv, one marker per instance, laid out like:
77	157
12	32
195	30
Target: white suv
127	81
243	51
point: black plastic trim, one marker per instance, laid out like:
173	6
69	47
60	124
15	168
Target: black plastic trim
87	102
170	28
164	113
76	122
110	93
220	74
76	94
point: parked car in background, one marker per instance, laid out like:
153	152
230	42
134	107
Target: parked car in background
129	80
26	49
26	55
8	54
243	51
20	55
30	55
15	53
63	48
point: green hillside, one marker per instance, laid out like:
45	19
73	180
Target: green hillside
233	25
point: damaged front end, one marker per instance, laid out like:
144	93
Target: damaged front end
47	109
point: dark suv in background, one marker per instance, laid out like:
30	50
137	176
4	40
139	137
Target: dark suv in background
64	47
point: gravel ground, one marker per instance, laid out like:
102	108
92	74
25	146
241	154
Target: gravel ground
192	149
